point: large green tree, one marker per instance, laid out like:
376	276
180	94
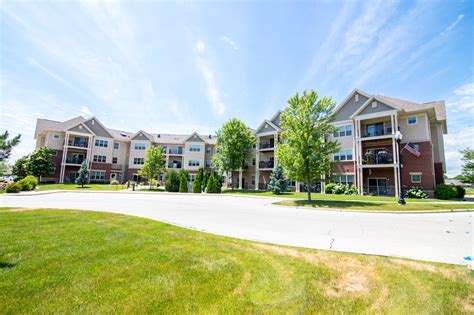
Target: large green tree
6	145
468	166
155	164
20	168
40	162
234	144
305	152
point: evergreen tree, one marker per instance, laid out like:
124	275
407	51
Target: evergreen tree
83	174
278	182
197	184
205	178
6	145
172	181
183	181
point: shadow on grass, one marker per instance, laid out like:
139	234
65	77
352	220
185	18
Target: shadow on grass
4	265
254	192
342	204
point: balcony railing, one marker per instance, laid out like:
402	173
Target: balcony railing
375	132
379	190
175	165
74	160
78	143
266	145
262	186
266	164
116	166
375	158
175	151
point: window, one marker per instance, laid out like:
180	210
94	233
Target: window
343	131
343	155
254	161
114	160
208	150
52	170
192	177
291	182
344	179
56	136
253	179
193	163
97	175
99	158
416	178
138	161
412	120
140	146
208	163
116	145
101	143
194	148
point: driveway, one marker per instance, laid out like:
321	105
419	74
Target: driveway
439	237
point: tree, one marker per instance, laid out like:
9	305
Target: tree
214	184
205	178
183	180
305	153
468	167
172	181
278	183
197	184
6	145
234	144
20	168
40	162
83	174
155	163
5	168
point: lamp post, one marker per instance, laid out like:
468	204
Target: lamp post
398	138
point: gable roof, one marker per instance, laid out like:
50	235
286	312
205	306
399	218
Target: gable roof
145	134
349	97
54	125
95	120
372	99
195	134
266	121
438	106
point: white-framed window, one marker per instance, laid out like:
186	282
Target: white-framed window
254	161
101	143
194	148
114	160
52	170
56	136
97	175
343	131
116	145
193	163
344	179
208	150
343	155
208	163
99	158
140	146
415	178
413	120
138	161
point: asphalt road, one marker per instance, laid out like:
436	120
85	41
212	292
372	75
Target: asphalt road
439	237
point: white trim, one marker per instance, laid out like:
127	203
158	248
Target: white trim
276	115
266	121
375	115
415	123
144	133
100	124
369	101
415	182
191	136
82	123
348	98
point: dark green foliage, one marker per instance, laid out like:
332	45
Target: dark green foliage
28	183
329	188
83	174
468	166
183	181
172	181
13	188
214	184
340	189
6	145
40	162
416	193
278	182
461	192
20	168
204	181
445	192
197	184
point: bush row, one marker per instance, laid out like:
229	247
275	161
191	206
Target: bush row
443	191
340	189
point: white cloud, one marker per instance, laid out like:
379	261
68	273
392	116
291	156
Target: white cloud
453	25
229	41
212	92
463	102
200	46
86	111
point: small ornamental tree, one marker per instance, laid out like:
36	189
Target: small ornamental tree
20	168
306	151
183	181
6	145
41	162
155	163
278	183
83	174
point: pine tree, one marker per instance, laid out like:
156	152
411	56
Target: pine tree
82	175
205	178
278	182
183	181
198	181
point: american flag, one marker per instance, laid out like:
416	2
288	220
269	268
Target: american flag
412	148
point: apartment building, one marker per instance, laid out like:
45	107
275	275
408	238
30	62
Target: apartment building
366	128
114	154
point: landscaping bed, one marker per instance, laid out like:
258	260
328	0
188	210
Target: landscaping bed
46	187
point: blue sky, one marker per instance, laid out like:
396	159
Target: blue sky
179	67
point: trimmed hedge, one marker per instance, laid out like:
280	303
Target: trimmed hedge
443	191
461	191
28	183
13	188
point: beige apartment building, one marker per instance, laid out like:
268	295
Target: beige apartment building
366	127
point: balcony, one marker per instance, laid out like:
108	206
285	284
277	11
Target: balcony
175	151
267	145
117	166
375	130
74	160
78	143
266	164
175	165
377	190
377	157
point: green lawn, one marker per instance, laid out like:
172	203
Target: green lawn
469	191
318	196
76	187
58	261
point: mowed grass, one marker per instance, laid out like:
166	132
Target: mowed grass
374	205
319	196
46	187
60	261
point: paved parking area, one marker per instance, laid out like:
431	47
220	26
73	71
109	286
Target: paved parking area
439	237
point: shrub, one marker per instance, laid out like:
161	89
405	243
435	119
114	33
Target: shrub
329	189
443	191
416	193
350	190
28	183
183	181
196	186
214	184
172	181
461	192
114	182
13	188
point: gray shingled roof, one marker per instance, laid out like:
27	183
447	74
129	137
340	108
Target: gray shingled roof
438	106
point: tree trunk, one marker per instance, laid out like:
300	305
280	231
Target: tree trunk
309	190
231	180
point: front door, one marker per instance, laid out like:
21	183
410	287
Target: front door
378	186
